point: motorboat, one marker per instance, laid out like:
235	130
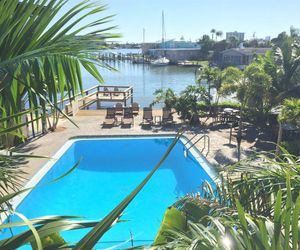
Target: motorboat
161	61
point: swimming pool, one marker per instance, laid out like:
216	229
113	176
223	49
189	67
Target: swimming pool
110	168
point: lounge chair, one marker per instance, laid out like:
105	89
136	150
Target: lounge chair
127	119
167	116
135	108
119	108
116	89
147	116
110	118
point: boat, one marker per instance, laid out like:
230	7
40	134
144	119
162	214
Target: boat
187	63
160	61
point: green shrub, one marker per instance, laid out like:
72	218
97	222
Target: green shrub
221	105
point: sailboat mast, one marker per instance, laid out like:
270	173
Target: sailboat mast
163	30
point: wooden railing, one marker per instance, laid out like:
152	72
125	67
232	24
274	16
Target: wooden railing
99	93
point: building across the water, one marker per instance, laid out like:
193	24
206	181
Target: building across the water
241	57
238	35
173	50
181	44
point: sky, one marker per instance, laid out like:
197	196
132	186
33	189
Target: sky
193	18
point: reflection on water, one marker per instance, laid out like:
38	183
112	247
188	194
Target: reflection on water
145	78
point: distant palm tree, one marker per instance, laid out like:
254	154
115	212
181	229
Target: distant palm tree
212	31
219	33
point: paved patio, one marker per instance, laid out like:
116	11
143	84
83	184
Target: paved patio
90	122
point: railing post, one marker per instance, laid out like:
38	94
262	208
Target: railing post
44	123
97	95
131	95
32	124
27	126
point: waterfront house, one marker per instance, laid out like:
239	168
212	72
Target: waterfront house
241	57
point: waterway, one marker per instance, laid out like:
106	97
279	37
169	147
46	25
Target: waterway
144	78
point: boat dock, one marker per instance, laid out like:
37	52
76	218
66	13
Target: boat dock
98	94
134	58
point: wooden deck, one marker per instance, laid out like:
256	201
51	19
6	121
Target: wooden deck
98	94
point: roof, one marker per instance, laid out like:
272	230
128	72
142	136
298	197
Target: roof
248	51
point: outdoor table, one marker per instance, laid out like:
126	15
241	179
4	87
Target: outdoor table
230	114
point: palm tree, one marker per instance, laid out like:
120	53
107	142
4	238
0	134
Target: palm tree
212	31
212	77
219	33
251	87
286	74
41	56
289	113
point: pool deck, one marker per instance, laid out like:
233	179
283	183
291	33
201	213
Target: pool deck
90	124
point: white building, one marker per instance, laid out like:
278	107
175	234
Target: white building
238	35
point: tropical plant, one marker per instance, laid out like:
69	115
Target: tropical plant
240	230
213	32
287	61
251	87
168	97
219	33
233	41
206	44
256	210
188	102
42	54
290	114
212	77
40	63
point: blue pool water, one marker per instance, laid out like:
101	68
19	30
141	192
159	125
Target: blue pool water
109	170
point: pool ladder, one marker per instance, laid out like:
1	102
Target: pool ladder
206	143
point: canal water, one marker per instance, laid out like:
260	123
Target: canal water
144	78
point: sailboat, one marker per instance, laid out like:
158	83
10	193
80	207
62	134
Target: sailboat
163	60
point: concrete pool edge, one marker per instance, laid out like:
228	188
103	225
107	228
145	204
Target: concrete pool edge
35	179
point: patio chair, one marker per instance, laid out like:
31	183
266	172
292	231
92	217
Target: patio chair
127	119
119	108
147	116
135	108
167	116
110	118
